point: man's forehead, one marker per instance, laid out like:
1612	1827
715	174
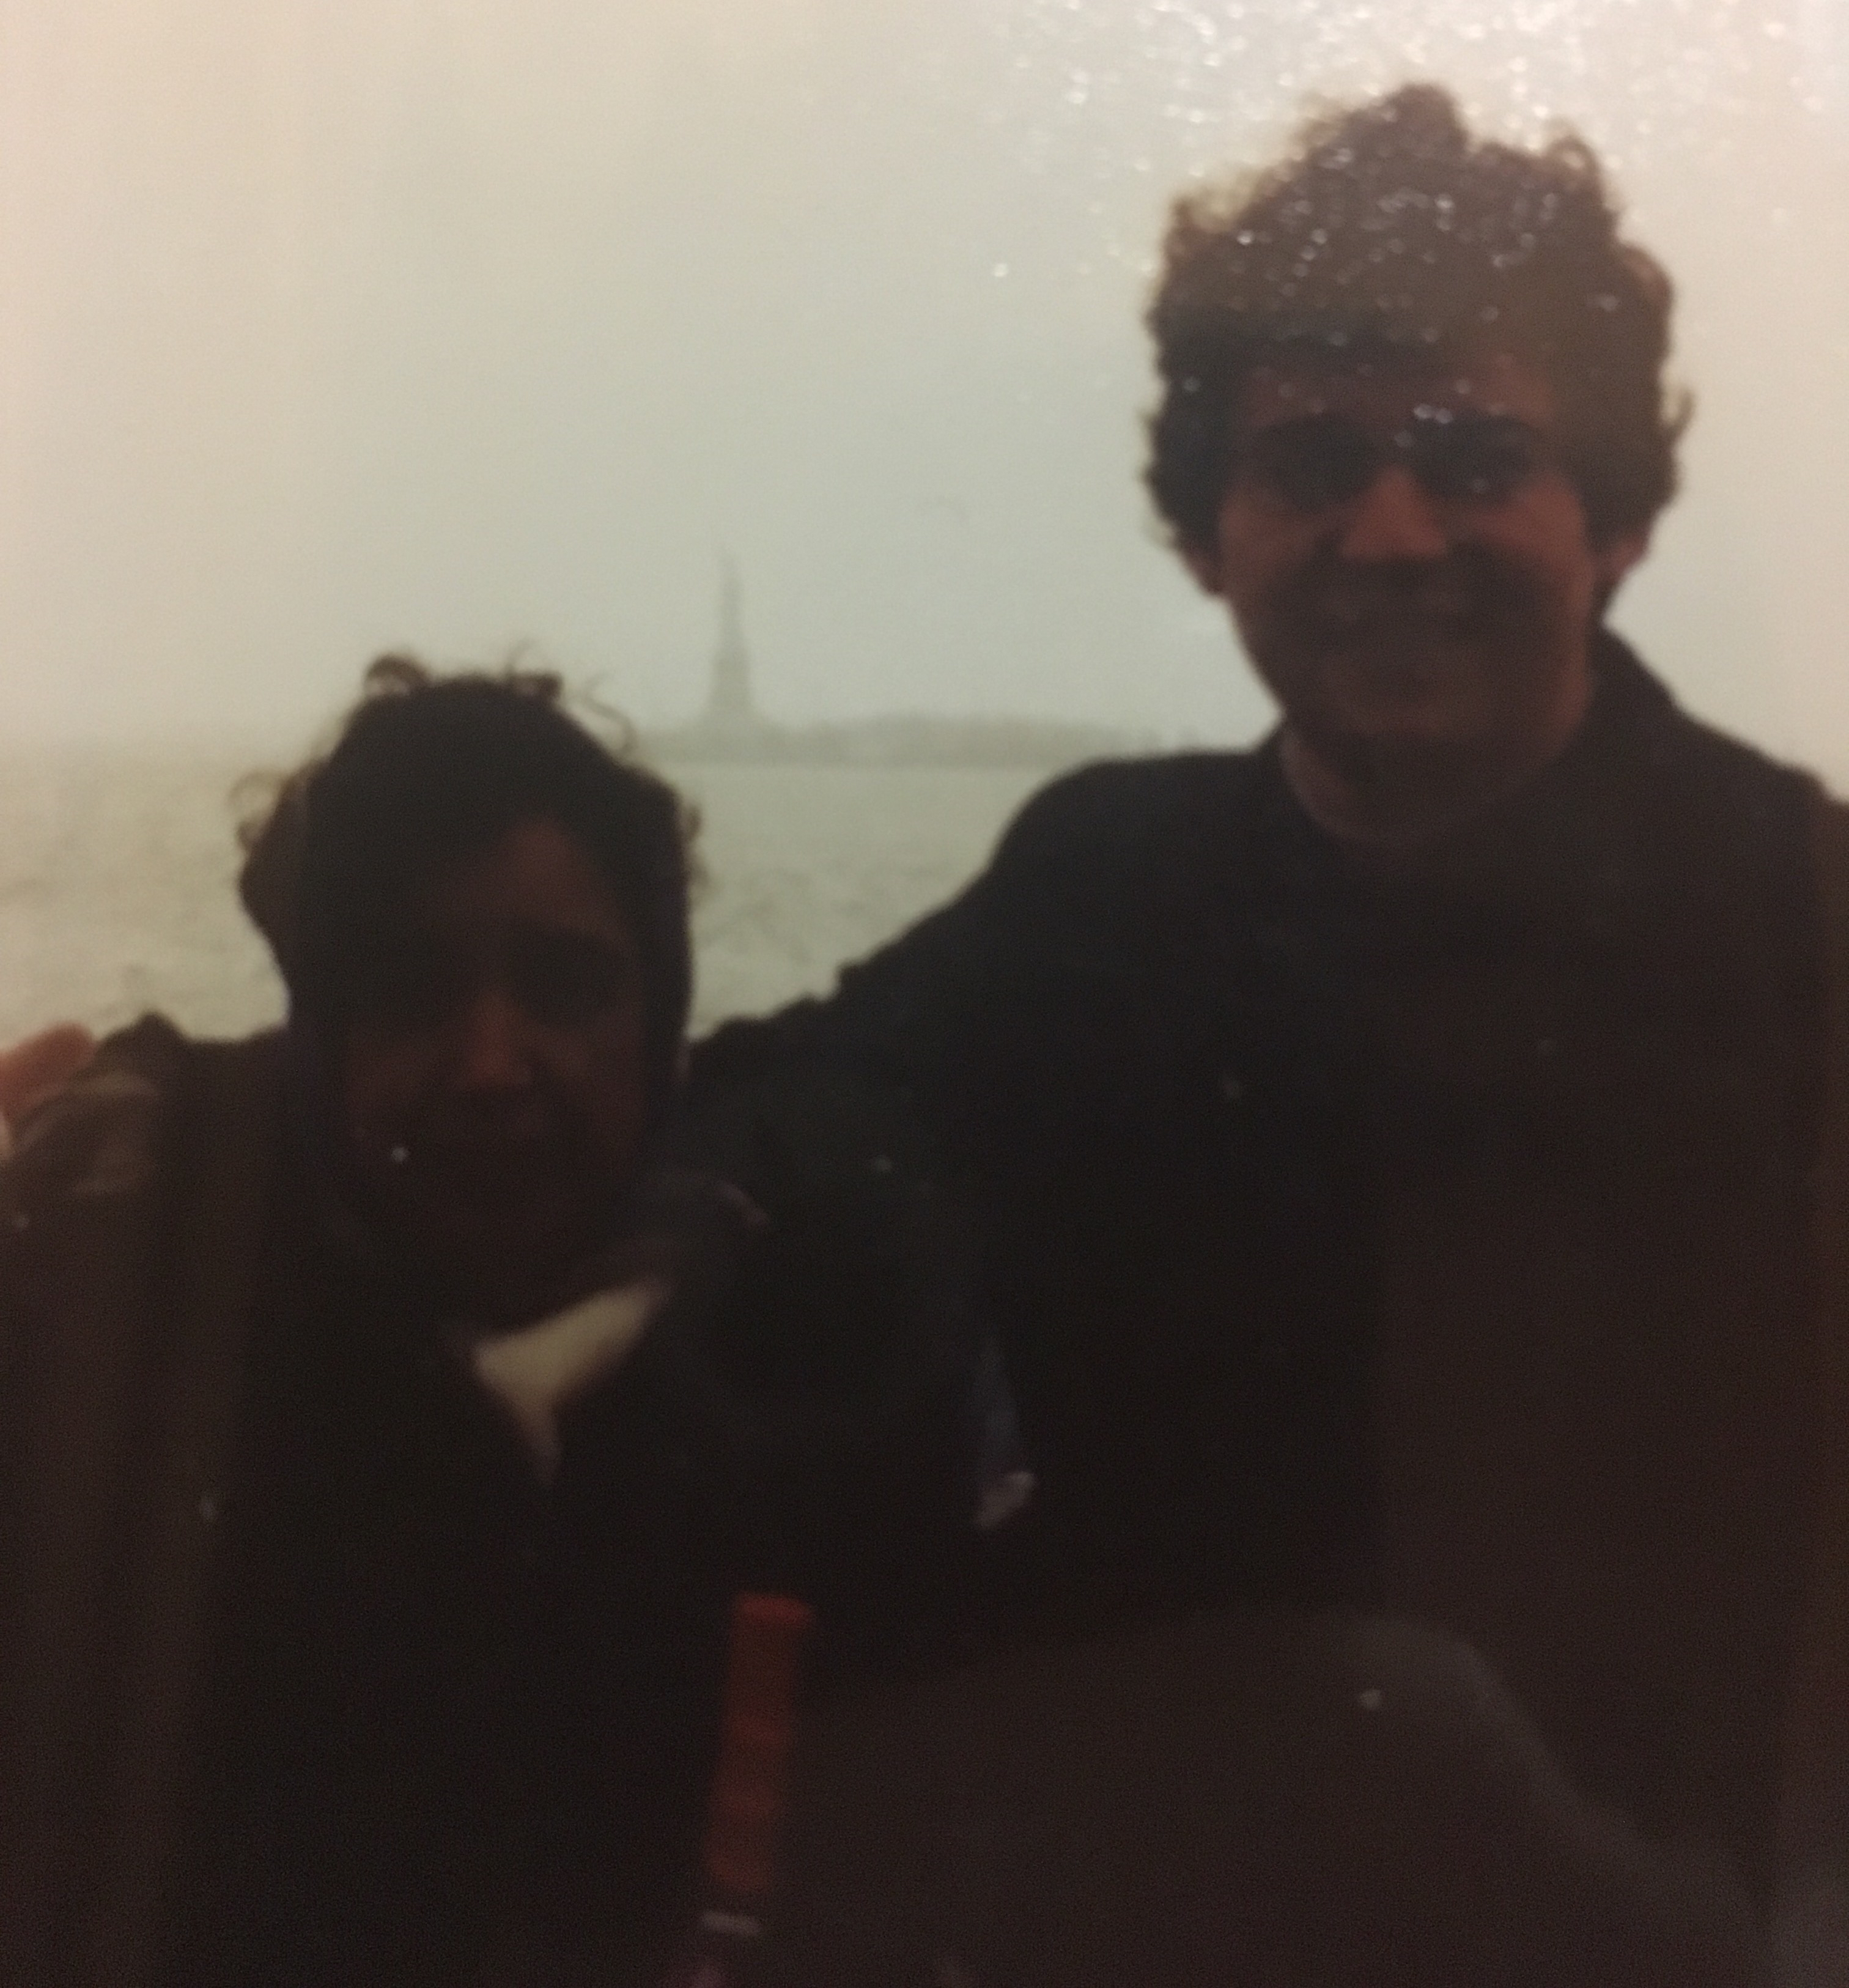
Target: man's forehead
1388	387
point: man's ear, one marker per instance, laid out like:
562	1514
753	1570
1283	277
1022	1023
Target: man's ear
1617	556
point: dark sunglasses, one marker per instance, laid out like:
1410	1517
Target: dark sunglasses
1318	460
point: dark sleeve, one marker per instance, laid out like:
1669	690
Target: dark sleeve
909	1013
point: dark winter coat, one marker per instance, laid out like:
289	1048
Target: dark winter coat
1466	1245
305	1677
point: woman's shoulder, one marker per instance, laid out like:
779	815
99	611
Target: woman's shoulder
791	1136
832	1353
851	1250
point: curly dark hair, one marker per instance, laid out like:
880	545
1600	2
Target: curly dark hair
1388	229
429	768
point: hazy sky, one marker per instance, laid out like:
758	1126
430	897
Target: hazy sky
332	324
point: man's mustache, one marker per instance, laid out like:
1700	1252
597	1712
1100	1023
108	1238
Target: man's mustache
1463	591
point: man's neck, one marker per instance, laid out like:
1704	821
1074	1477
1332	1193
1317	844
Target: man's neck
1387	804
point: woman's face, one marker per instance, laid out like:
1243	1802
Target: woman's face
494	1089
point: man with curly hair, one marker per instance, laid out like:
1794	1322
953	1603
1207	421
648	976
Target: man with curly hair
1400	1144
1414	429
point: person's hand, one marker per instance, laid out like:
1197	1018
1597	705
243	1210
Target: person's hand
30	1071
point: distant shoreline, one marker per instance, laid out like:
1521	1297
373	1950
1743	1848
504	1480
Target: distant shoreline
906	740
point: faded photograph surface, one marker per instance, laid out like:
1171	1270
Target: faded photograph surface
923	994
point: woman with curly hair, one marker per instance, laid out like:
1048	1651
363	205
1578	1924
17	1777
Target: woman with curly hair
392	1403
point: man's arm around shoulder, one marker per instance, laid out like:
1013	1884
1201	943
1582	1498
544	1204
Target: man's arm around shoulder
908	1013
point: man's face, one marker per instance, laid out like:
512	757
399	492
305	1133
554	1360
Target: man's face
1408	566
493	1087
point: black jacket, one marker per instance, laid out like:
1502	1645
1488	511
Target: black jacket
1441	1245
